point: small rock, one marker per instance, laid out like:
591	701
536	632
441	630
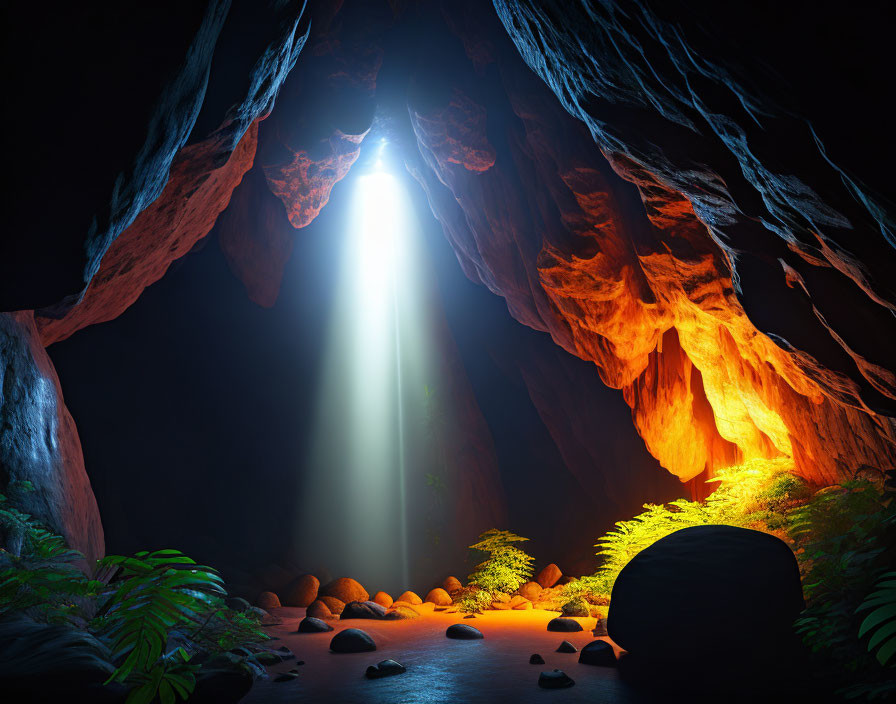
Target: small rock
352	640
461	631
268	658
439	597
575	607
530	590
299	662
400	613
522	607
302	591
383	599
601	628
564	625
268	601
385	668
549	576
517	601
333	604
452	584
310	624
410	598
598	652
441	608
237	603
555	679
362	609
470	616
285	652
286	677
319	609
345	589
501	605
567	647
536	659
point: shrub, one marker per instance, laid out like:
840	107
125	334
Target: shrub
473	600
506	566
576	607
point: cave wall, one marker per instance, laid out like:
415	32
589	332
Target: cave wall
722	349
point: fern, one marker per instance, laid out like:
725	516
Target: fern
882	620
155	593
506	567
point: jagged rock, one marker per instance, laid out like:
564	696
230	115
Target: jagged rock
352	640
301	591
567	647
598	652
345	589
385	668
311	624
564	625
439	597
548	576
461	631
555	679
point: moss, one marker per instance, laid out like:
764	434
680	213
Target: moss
576	607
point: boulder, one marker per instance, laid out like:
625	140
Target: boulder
564	625
549	576
519	602
352	640
523	605
501	605
530	590
319	609
237	603
410	598
710	586
536	659
268	601
452	585
576	607
439	597
598	652
401	612
567	647
345	589
362	609
310	624
333	604
385	668
301	591
555	679
461	631
383	599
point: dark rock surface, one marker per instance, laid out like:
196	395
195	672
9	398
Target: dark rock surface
567	647
461	631
564	625
598	652
700	590
536	659
555	679
352	640
310	624
362	609
384	668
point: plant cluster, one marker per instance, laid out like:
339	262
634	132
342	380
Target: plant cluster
154	611
505	568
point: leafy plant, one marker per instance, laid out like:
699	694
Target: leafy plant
882	620
506	566
473	600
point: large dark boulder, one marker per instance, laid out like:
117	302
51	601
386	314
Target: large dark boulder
708	593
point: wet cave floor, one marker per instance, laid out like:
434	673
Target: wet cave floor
439	670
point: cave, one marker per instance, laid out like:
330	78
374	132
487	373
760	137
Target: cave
448	351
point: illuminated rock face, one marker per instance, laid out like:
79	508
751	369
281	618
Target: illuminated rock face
624	273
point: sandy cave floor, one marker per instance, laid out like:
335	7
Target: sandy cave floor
494	669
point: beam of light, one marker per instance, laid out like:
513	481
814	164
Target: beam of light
376	366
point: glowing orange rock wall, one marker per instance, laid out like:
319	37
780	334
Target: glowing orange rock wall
628	277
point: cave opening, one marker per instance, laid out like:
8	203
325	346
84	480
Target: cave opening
353	321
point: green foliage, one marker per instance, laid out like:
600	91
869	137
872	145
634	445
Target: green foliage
506	566
142	604
592	588
882	619
473	600
576	607
154	593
